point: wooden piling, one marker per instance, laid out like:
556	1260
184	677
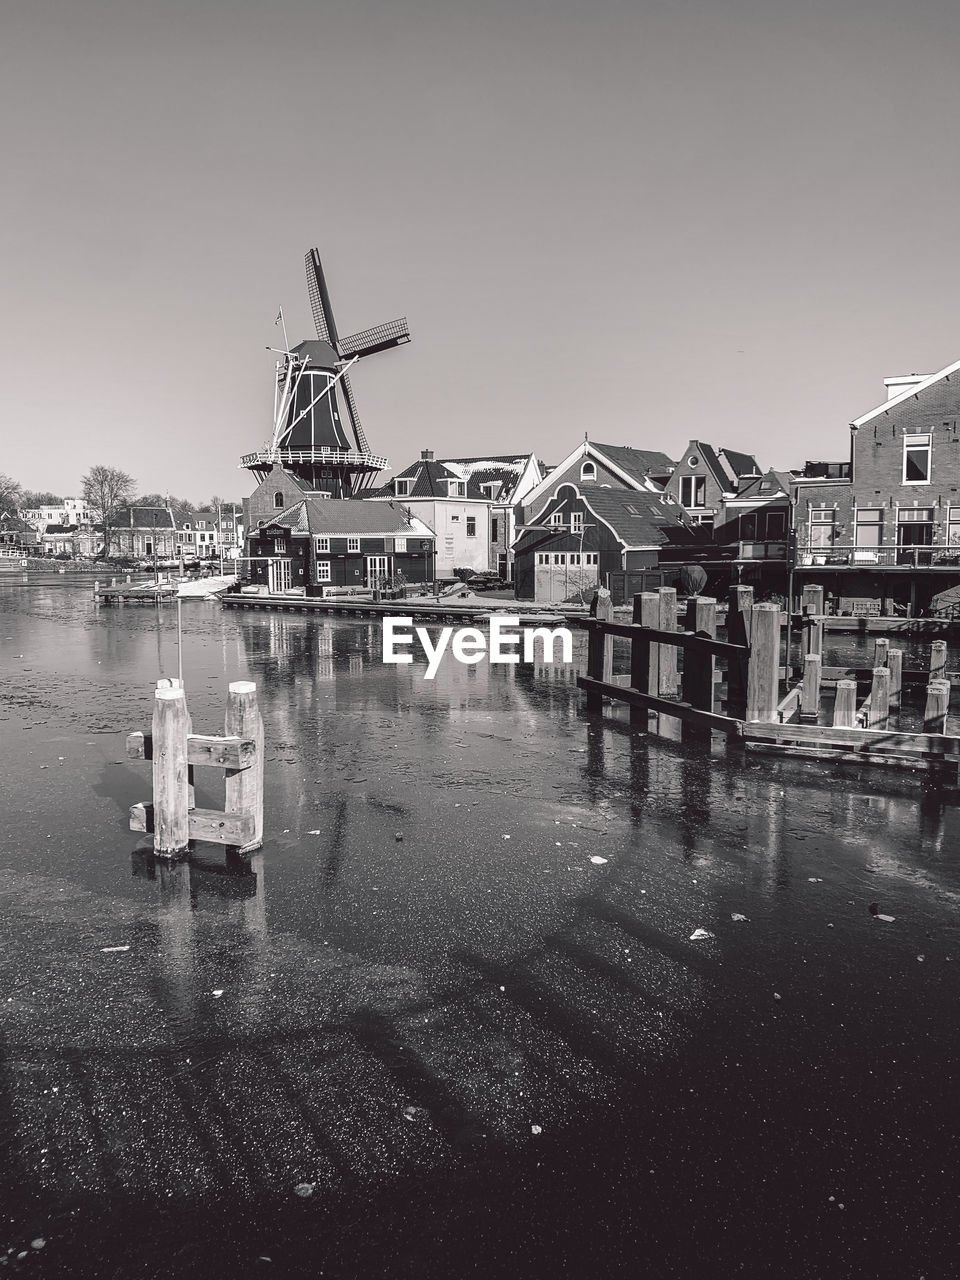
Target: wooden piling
895	663
244	787
740	601
595	652
171	834
812	606
699	669
763	668
640	656
878	716
605	614
938	702
667	652
938	660
881	650
810	697
845	704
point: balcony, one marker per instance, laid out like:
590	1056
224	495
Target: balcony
762	551
935	555
350	458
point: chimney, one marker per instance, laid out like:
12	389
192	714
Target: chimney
426	455
895	386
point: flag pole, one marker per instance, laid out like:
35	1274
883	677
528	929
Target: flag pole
283	324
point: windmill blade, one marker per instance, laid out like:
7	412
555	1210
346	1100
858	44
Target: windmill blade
381	338
360	438
320	299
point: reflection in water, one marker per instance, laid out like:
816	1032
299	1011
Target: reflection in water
479	918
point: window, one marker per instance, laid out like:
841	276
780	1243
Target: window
693	491
588	471
471	526
915	526
495	529
323	570
543	557
558	557
556	517
576	522
278	500
916	459
574	557
869	526
323	544
456	488
399	544
823	528
953	528
402	488
278	546
353	544
591	557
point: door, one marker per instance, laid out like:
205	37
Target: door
279	576
378	567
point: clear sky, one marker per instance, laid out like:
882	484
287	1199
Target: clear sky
724	219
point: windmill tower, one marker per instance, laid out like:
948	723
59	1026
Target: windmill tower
312	435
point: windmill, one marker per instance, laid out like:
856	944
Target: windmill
311	437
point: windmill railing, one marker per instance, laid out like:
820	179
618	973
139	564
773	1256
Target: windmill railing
327	457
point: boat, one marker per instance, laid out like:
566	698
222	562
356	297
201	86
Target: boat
205	588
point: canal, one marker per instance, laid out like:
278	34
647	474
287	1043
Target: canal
505	993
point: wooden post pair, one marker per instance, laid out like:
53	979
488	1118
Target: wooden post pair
175	749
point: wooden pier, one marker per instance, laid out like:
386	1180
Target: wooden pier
428	609
836	714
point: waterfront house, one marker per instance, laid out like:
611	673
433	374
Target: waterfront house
882	531
18	537
470	503
589	536
706	478
142	532
601	466
319	542
69	540
68	511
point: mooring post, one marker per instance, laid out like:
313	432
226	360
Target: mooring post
763	668
699	669
639	664
244	787
881	648
605	614
895	663
812	606
810	695
845	705
740	602
668	653
171	804
879	710
938	660
938	703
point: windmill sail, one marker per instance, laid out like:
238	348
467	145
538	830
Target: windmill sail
361	439
317	291
380	338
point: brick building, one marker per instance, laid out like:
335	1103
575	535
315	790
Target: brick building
882	532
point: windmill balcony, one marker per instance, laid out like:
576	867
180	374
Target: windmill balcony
328	457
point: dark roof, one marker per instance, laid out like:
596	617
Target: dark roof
639	463
741	464
766	486
638	517
429	477
709	455
15	524
60	528
143	518
349	516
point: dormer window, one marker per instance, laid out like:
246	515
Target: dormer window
278	500
588	471
456	488
401	488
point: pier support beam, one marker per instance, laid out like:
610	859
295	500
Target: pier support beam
938	703
810	697
845	705
244	787
171	778
763	669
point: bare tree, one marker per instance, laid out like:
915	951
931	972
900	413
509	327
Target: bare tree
31	498
10	494
105	490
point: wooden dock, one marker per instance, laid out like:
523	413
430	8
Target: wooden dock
427	608
764	710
